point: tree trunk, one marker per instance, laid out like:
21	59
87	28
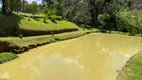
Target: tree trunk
5	6
95	17
23	6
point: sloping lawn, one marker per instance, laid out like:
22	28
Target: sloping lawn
40	25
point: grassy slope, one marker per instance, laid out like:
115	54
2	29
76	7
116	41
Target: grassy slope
9	25
7	21
40	25
133	69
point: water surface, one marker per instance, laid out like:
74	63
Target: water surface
91	57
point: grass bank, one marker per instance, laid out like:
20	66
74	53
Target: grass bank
13	25
17	45
7	56
132	69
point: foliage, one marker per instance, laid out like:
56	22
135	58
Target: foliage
48	13
54	17
33	7
7	56
48	3
15	5
130	21
96	13
9	24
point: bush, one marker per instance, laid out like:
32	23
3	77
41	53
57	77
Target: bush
129	21
54	17
7	56
107	22
29	32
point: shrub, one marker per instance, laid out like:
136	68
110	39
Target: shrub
129	21
29	32
54	17
7	56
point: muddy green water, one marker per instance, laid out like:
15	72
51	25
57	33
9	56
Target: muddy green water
91	57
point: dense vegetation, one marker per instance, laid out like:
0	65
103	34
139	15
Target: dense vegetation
118	15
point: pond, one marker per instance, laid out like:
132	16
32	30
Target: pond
92	57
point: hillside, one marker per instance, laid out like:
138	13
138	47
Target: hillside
13	25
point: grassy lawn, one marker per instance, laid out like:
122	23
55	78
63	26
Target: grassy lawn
133	69
40	25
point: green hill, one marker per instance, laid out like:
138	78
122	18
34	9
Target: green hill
13	25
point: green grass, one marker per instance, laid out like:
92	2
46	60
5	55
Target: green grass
40	25
7	56
69	35
13	25
133	69
17	45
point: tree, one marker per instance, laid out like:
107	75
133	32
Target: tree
4	6
95	8
24	6
33	8
46	14
48	3
59	6
9	5
15	5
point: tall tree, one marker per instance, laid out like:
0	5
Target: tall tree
5	6
33	8
48	3
15	5
96	7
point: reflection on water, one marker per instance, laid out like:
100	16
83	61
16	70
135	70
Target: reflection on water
92	57
61	68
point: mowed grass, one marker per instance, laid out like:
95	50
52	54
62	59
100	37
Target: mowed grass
7	56
38	24
13	25
14	20
133	69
